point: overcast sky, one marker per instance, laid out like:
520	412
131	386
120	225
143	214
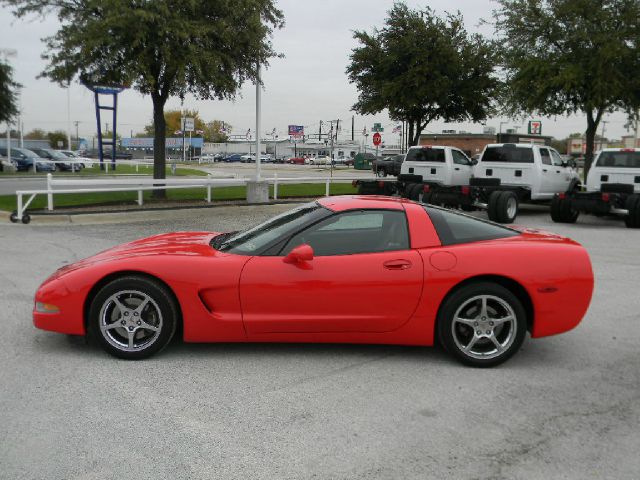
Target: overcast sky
308	85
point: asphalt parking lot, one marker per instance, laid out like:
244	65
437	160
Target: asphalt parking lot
564	407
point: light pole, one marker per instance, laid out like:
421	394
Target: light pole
258	121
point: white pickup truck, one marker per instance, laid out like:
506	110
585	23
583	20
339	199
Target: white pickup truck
613	188
506	175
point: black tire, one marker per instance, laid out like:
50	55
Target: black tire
381	172
416	190
492	206
160	312
632	219
561	211
14	217
507	207
26	218
406	190
466	302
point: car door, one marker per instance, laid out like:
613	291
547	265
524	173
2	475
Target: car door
462	168
363	278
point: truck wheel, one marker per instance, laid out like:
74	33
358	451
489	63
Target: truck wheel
632	220
492	206
507	207
406	190
381	172
415	192
561	211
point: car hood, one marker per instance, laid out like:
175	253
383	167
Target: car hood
177	243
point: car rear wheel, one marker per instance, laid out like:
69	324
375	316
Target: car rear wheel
482	324
133	317
632	220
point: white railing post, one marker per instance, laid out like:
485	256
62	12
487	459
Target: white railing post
49	193
208	188
140	197
19	211
137	167
327	190
275	186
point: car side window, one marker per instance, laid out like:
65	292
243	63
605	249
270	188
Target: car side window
556	158
460	158
360	231
546	158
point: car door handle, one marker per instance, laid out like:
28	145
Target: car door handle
397	264
544	169
457	168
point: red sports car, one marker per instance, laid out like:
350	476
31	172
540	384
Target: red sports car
342	269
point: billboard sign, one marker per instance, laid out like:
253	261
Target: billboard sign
296	131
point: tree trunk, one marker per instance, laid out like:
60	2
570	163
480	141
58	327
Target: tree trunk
159	143
592	128
411	130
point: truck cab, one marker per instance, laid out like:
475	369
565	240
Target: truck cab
615	165
536	172
438	165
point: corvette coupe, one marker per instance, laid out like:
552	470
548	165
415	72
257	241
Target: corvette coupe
344	269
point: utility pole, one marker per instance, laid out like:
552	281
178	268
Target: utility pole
637	136
320	131
353	124
69	116
258	123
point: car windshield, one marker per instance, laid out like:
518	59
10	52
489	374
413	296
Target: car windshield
425	154
254	240
508	153
630	159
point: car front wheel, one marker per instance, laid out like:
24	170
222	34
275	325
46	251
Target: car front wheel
133	317
482	324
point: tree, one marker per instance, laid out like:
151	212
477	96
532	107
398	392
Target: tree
173	122
161	48
36	134
57	139
8	95
421	68
212	131
568	56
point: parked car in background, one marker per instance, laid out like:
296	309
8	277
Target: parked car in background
235	157
25	160
322	160
107	154
61	161
84	161
387	166
296	160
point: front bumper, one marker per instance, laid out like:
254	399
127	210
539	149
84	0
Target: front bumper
69	317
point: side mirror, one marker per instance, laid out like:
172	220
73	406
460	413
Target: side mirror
474	161
300	254
571	163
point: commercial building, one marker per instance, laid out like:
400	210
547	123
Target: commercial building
473	143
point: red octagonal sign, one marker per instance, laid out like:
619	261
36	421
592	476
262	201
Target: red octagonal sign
377	139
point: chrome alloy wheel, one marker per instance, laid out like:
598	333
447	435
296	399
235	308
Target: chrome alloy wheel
130	320
484	327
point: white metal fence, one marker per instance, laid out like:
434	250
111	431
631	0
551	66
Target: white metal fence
56	185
